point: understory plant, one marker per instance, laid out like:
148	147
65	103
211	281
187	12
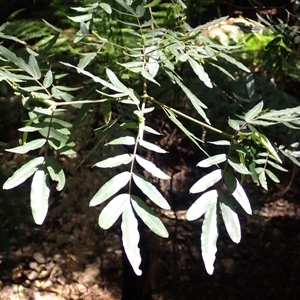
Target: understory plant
124	52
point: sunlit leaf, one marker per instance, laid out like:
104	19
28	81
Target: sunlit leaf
213	160
85	60
151	147
39	195
255	111
34	67
230	218
48	80
106	7
199	71
237	192
56	172
147	76
234	124
206	181
238	166
130	238
148	217
110	188
151	191
201	205
209	237
23	173
263	180
112	211
32	145
125	140
272	176
151	168
115	161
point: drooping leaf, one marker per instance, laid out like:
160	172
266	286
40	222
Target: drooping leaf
23	173
130	238
254	112
115	161
199	71
213	160
272	176
230	218
112	211
56	172
206	181
148	217
39	195
110	188
234	124
209	237
115	81
106	7
262	178
151	168
32	145
233	61
237	192
151	146
151	191
201	205
148	76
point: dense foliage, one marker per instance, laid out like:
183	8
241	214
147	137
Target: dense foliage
129	57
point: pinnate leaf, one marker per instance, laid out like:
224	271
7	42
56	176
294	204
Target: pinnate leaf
151	191
130	238
39	195
32	145
230	218
113	210
206	181
23	173
115	161
209	237
148	217
151	168
110	188
201	205
213	160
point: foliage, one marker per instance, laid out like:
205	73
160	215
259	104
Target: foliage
122	67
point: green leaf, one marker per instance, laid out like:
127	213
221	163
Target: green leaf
147	76
106	7
39	195
233	61
254	112
237	192
206	181
34	67
201	205
209	237
48	80
23	173
238	166
126	6
230	218
263	180
32	145
151	168
139	12
112	211
81	18
125	140
85	60
151	147
130	238
56	172
148	217
151	191
219	143
234	124
115	161
198	105
115	81
199	71
272	176
213	160
110	188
